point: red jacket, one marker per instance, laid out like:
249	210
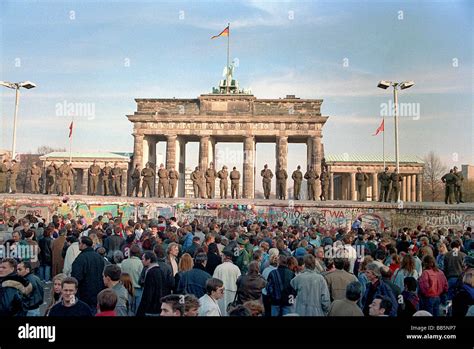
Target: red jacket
106	313
432	283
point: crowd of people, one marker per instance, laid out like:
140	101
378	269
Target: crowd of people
166	267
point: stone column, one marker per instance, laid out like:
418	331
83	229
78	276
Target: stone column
146	152
353	187
375	186
281	158
314	157
403	194
211	157
408	195
137	151
419	191
413	187
124	181
249	168
204	152
171	151
84	186
331	186
344	184
181	166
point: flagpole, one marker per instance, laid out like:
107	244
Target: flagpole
228	54
70	140
383	142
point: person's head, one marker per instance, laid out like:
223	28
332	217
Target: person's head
85	242
186	262
282	261
118	257
23	268
468	278
148	258
380	306
339	263
172	305
309	262
69	290
298	167
191	305
200	259
240	310
215	288
7	266
106	300
410	284
111	275
173	249
372	271
255	308
253	268
16	236
353	291
57	282
429	263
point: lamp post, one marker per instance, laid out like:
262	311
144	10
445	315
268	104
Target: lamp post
384	84
16	86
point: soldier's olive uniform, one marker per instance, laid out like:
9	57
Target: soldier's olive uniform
94	172
35	174
50	178
324	178
117	173
449	179
198	183
211	175
173	176
106	171
234	183
361	185
458	186
395	179
3	177
385	180
148	175
281	177
222	174
135	182
63	173
297	177
70	180
14	171
267	175
311	176
163	182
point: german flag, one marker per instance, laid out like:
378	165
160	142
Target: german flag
225	32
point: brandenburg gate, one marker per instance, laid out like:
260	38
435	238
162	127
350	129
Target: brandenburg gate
236	117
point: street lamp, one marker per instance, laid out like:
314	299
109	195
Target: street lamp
384	84
16	86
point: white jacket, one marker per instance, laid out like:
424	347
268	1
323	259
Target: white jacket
71	254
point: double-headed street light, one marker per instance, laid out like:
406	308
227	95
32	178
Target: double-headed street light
16	86
384	84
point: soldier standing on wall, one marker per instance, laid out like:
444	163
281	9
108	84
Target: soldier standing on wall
234	182
267	175
297	177
222	174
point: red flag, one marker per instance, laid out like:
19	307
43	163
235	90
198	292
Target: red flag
380	129
225	32
70	129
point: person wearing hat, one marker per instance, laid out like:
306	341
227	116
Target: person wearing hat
267	175
62	178
35	174
173	177
395	178
234	182
222	175
311	176
449	179
148	175
297	177
210	175
14	171
281	177
163	183
71	172
384	178
94	172
361	184
3	176
105	178
243	256
458	185
376	287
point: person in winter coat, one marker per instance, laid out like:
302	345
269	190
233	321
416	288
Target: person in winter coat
57	257
35	298
249	286
376	287
432	284
46	254
279	289
13	288
312	290
464	298
194	280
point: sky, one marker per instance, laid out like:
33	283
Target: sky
104	54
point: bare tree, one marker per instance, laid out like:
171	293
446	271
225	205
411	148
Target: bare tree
433	170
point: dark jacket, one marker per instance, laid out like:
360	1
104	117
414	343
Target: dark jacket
213	260
35	298
152	291
46	252
463	300
279	288
87	268
249	288
113	243
168	281
12	290
80	309
379	289
194	281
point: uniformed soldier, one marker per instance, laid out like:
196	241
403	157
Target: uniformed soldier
234	182
163	181
324	178
35	174
148	175
94	172
311	176
267	175
361	184
449	179
117	173
395	178
222	175
458	185
324	166
384	178
62	182
51	178
211	175
281	177
106	171
197	176
173	176
3	176
14	171
135	181
71	173
297	177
